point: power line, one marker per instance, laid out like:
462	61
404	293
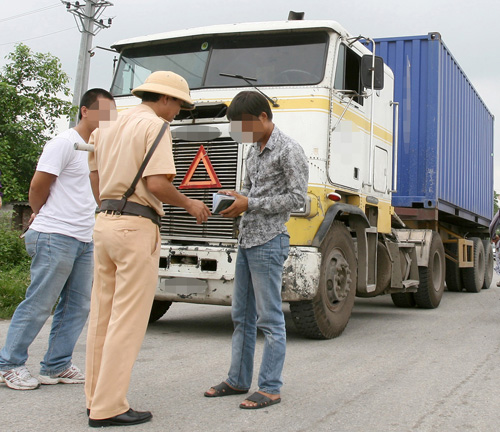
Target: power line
29	12
91	24
36	37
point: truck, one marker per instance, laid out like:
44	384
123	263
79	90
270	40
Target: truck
380	215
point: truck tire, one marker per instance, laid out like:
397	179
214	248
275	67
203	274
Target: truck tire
488	263
404	300
473	277
158	309
326	316
453	275
431	287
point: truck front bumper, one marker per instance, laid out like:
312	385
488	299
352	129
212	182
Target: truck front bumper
205	274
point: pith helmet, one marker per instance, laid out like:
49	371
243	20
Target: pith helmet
166	83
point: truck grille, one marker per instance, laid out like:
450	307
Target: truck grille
177	224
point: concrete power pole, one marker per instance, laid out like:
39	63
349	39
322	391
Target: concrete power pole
89	22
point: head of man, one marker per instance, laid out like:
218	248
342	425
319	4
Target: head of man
97	105
166	92
251	118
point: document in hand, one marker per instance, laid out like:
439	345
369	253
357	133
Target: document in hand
221	202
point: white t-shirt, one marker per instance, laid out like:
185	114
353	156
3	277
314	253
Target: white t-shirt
70	207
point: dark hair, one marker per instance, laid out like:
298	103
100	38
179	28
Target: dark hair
90	98
248	102
150	97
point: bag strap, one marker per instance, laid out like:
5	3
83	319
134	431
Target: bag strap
131	189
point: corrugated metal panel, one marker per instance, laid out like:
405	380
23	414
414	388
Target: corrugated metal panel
445	130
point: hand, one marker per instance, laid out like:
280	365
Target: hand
32	218
239	205
199	210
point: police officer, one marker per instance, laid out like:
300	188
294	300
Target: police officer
127	240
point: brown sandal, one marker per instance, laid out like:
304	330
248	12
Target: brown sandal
261	401
224	389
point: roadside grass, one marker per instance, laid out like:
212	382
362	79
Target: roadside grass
14	267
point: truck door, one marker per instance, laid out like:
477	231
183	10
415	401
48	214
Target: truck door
350	131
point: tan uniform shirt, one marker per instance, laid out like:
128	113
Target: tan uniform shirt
120	148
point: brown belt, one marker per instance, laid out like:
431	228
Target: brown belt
131	208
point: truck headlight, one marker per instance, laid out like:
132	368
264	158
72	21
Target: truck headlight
304	211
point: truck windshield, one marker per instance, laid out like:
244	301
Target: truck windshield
272	59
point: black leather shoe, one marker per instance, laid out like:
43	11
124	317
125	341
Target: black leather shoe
130	417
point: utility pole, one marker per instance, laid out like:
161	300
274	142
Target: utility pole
89	22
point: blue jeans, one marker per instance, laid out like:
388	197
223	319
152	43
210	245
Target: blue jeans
61	268
257	305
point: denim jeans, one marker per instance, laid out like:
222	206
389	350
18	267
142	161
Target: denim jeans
61	268
257	305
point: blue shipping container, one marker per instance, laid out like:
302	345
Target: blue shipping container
445	131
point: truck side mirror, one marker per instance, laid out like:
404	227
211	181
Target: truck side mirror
366	72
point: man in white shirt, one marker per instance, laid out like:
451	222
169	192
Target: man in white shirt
59	242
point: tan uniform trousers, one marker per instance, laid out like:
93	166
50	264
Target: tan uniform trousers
126	254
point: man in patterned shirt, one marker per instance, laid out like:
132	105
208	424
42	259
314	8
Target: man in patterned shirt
275	184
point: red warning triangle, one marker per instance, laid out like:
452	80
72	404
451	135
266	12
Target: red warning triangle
214	182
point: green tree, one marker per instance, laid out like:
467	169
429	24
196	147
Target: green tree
32	86
495	203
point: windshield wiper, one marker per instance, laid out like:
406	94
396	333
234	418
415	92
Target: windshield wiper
248	81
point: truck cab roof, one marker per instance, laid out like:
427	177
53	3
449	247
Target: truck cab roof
238	28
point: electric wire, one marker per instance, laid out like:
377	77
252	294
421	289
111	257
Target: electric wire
37	37
30	12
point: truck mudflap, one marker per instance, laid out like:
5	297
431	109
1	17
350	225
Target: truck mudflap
205	274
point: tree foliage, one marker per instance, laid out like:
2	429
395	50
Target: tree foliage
32	88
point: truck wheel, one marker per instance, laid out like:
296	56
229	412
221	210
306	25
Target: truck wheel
453	276
326	316
473	277
158	310
488	263
431	287
403	300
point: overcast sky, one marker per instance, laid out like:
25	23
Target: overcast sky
469	29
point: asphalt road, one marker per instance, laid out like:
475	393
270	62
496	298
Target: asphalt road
391	370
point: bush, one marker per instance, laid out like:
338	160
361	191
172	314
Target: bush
14	267
12	251
14	282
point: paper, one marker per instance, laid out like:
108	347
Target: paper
221	202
